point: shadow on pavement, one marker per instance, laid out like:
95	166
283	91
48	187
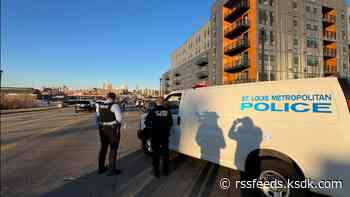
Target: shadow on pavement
136	169
137	180
95	185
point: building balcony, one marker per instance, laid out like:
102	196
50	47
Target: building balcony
177	82
329	19
329	53
202	74
202	61
237	66
330	70
177	74
240	81
236	47
236	29
238	9
330	36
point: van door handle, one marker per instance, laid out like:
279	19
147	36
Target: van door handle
178	120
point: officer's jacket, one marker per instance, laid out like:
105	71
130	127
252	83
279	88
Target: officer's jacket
108	112
160	121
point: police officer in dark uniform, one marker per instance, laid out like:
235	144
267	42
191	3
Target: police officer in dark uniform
109	119
160	121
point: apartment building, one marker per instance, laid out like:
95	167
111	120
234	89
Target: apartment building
260	40
189	62
165	84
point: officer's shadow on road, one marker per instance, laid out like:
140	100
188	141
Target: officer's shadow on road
134	166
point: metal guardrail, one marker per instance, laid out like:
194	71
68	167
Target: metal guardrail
329	18
238	44
330	35
328	52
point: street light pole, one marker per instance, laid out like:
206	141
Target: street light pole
1	71
160	87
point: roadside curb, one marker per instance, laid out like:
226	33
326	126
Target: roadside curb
27	110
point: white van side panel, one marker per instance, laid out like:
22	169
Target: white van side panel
202	133
216	128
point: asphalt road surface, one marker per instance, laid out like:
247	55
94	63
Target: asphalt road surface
54	153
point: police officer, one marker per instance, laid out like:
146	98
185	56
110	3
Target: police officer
160	121
109	120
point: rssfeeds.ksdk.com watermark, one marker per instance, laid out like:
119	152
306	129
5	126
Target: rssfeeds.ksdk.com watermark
226	183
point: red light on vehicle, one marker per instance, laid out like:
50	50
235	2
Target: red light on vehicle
199	85
349	104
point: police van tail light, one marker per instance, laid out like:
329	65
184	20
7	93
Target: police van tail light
348	101
199	85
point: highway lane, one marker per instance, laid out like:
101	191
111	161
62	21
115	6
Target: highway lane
54	153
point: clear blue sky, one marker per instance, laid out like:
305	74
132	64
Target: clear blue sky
83	43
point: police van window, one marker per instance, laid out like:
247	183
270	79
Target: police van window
173	101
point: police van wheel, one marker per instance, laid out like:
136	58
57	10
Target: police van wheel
274	171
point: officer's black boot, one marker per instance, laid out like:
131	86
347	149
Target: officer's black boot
155	164
156	173
112	163
101	170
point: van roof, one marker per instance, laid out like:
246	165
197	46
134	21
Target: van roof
264	82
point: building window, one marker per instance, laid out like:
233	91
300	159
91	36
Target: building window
294	5
308	9
343	16
272	37
266	2
272	58
308	26
311	42
271	18
263	17
244	75
295	42
296	60
345	68
266	60
295	21
312	60
311	27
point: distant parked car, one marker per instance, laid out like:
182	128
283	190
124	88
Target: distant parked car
84	106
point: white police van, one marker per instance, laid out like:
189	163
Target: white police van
284	131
